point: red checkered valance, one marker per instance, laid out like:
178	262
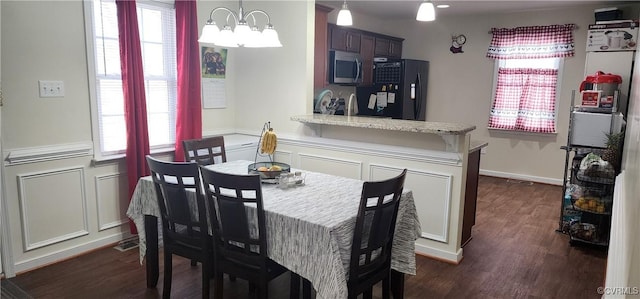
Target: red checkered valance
532	42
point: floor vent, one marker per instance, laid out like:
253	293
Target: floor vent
127	244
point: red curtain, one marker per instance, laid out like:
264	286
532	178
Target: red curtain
135	109
189	106
525	100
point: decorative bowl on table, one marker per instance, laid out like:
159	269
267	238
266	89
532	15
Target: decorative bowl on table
269	171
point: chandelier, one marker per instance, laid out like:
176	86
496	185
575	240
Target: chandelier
242	35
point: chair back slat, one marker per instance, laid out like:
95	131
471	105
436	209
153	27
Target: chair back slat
236	210
375	226
205	151
233	219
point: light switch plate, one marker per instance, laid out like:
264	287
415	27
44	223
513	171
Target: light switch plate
51	89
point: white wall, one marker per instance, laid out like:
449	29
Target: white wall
44	40
266	84
274	84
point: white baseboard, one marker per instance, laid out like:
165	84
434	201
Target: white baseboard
446	256
61	255
521	177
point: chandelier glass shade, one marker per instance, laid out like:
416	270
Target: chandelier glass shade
242	34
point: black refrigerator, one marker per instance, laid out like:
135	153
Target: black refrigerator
399	90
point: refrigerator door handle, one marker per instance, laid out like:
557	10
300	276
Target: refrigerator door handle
358	68
418	99
413	91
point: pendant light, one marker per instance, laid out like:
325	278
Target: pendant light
426	12
344	16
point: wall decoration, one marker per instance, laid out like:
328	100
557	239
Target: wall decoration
214	68
456	43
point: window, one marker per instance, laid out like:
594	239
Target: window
525	95
156	23
528	65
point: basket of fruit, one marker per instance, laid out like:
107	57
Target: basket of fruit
591	204
268	170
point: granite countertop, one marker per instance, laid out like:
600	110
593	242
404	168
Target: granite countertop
440	128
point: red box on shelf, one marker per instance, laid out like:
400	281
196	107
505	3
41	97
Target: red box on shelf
590	98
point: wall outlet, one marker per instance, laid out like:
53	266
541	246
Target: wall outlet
483	150
51	89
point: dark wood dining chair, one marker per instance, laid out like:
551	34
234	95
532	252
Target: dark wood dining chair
238	221
185	229
370	262
373	236
205	151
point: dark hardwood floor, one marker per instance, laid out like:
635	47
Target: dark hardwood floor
515	253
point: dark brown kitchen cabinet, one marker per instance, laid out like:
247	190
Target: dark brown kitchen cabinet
386	47
368	44
321	49
470	196
344	39
367	53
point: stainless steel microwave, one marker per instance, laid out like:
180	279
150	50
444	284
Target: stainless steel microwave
345	68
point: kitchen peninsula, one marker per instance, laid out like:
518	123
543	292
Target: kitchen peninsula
436	154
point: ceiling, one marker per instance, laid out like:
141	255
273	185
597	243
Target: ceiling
405	9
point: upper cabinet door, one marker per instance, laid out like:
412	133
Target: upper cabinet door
386	47
382	46
320	78
395	49
367	53
344	39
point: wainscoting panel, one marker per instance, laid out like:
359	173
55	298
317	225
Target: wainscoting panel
331	165
112	200
52	206
432	195
435	208
283	157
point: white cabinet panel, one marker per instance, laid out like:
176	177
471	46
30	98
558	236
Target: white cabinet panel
432	195
330	165
241	153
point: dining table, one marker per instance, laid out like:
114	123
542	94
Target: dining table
309	226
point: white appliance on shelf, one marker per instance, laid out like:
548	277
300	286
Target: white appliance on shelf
590	129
